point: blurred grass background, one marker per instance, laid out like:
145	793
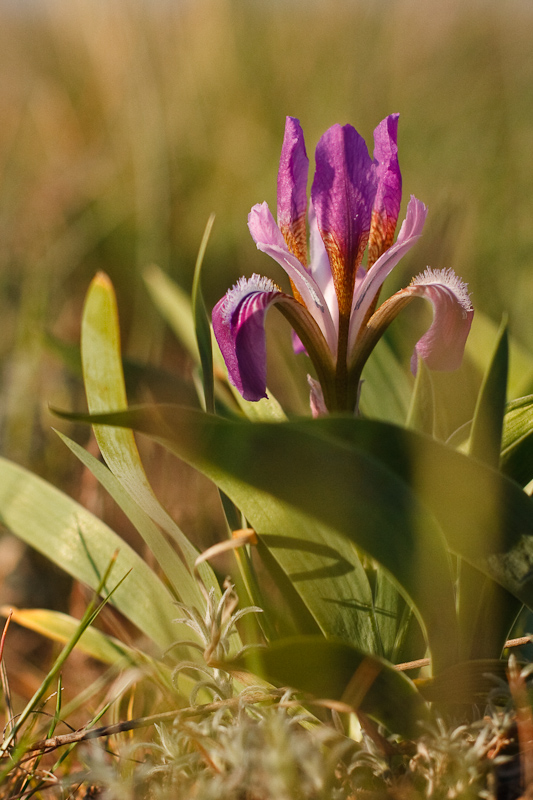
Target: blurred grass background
125	123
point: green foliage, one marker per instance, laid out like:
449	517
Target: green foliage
377	540
330	669
320	493
81	544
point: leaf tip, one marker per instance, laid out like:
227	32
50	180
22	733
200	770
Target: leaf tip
103	280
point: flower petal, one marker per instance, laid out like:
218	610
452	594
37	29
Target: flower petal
442	346
238	324
410	232
320	268
269	240
292	189
389	193
316	398
343	195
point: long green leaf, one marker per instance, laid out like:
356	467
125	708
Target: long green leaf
486	611
421	415
387	386
62	627
328	468
336	671
175	307
484	516
479	350
487	426
202	324
104	386
164	553
83	546
517	443
346	489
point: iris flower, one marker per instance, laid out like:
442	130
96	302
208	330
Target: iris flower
333	309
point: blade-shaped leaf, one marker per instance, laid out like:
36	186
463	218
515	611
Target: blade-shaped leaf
421	415
83	546
486	611
346	489
336	671
202	324
175	307
479	349
387	386
61	627
104	386
164	553
517	442
484	516
487	426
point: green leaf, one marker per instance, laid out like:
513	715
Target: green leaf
387	386
399	633
487	426
486	518
174	306
104	386
202	324
324	569
486	610
337	671
421	415
345	489
467	683
375	483
62	627
163	552
163	386
479	350
83	546
517	442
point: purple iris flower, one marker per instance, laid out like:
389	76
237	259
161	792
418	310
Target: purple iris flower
353	210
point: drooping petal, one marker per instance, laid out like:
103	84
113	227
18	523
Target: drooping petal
292	189
269	240
442	346
238	324
410	232
343	195
389	193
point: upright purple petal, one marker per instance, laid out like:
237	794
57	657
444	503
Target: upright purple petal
442	346
292	189
389	193
238	324
367	289
343	194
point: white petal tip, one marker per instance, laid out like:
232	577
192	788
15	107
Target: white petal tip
447	278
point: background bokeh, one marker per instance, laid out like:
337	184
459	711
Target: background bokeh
125	123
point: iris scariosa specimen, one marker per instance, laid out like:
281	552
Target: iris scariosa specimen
353	210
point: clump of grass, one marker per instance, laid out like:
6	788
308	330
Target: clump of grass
254	742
